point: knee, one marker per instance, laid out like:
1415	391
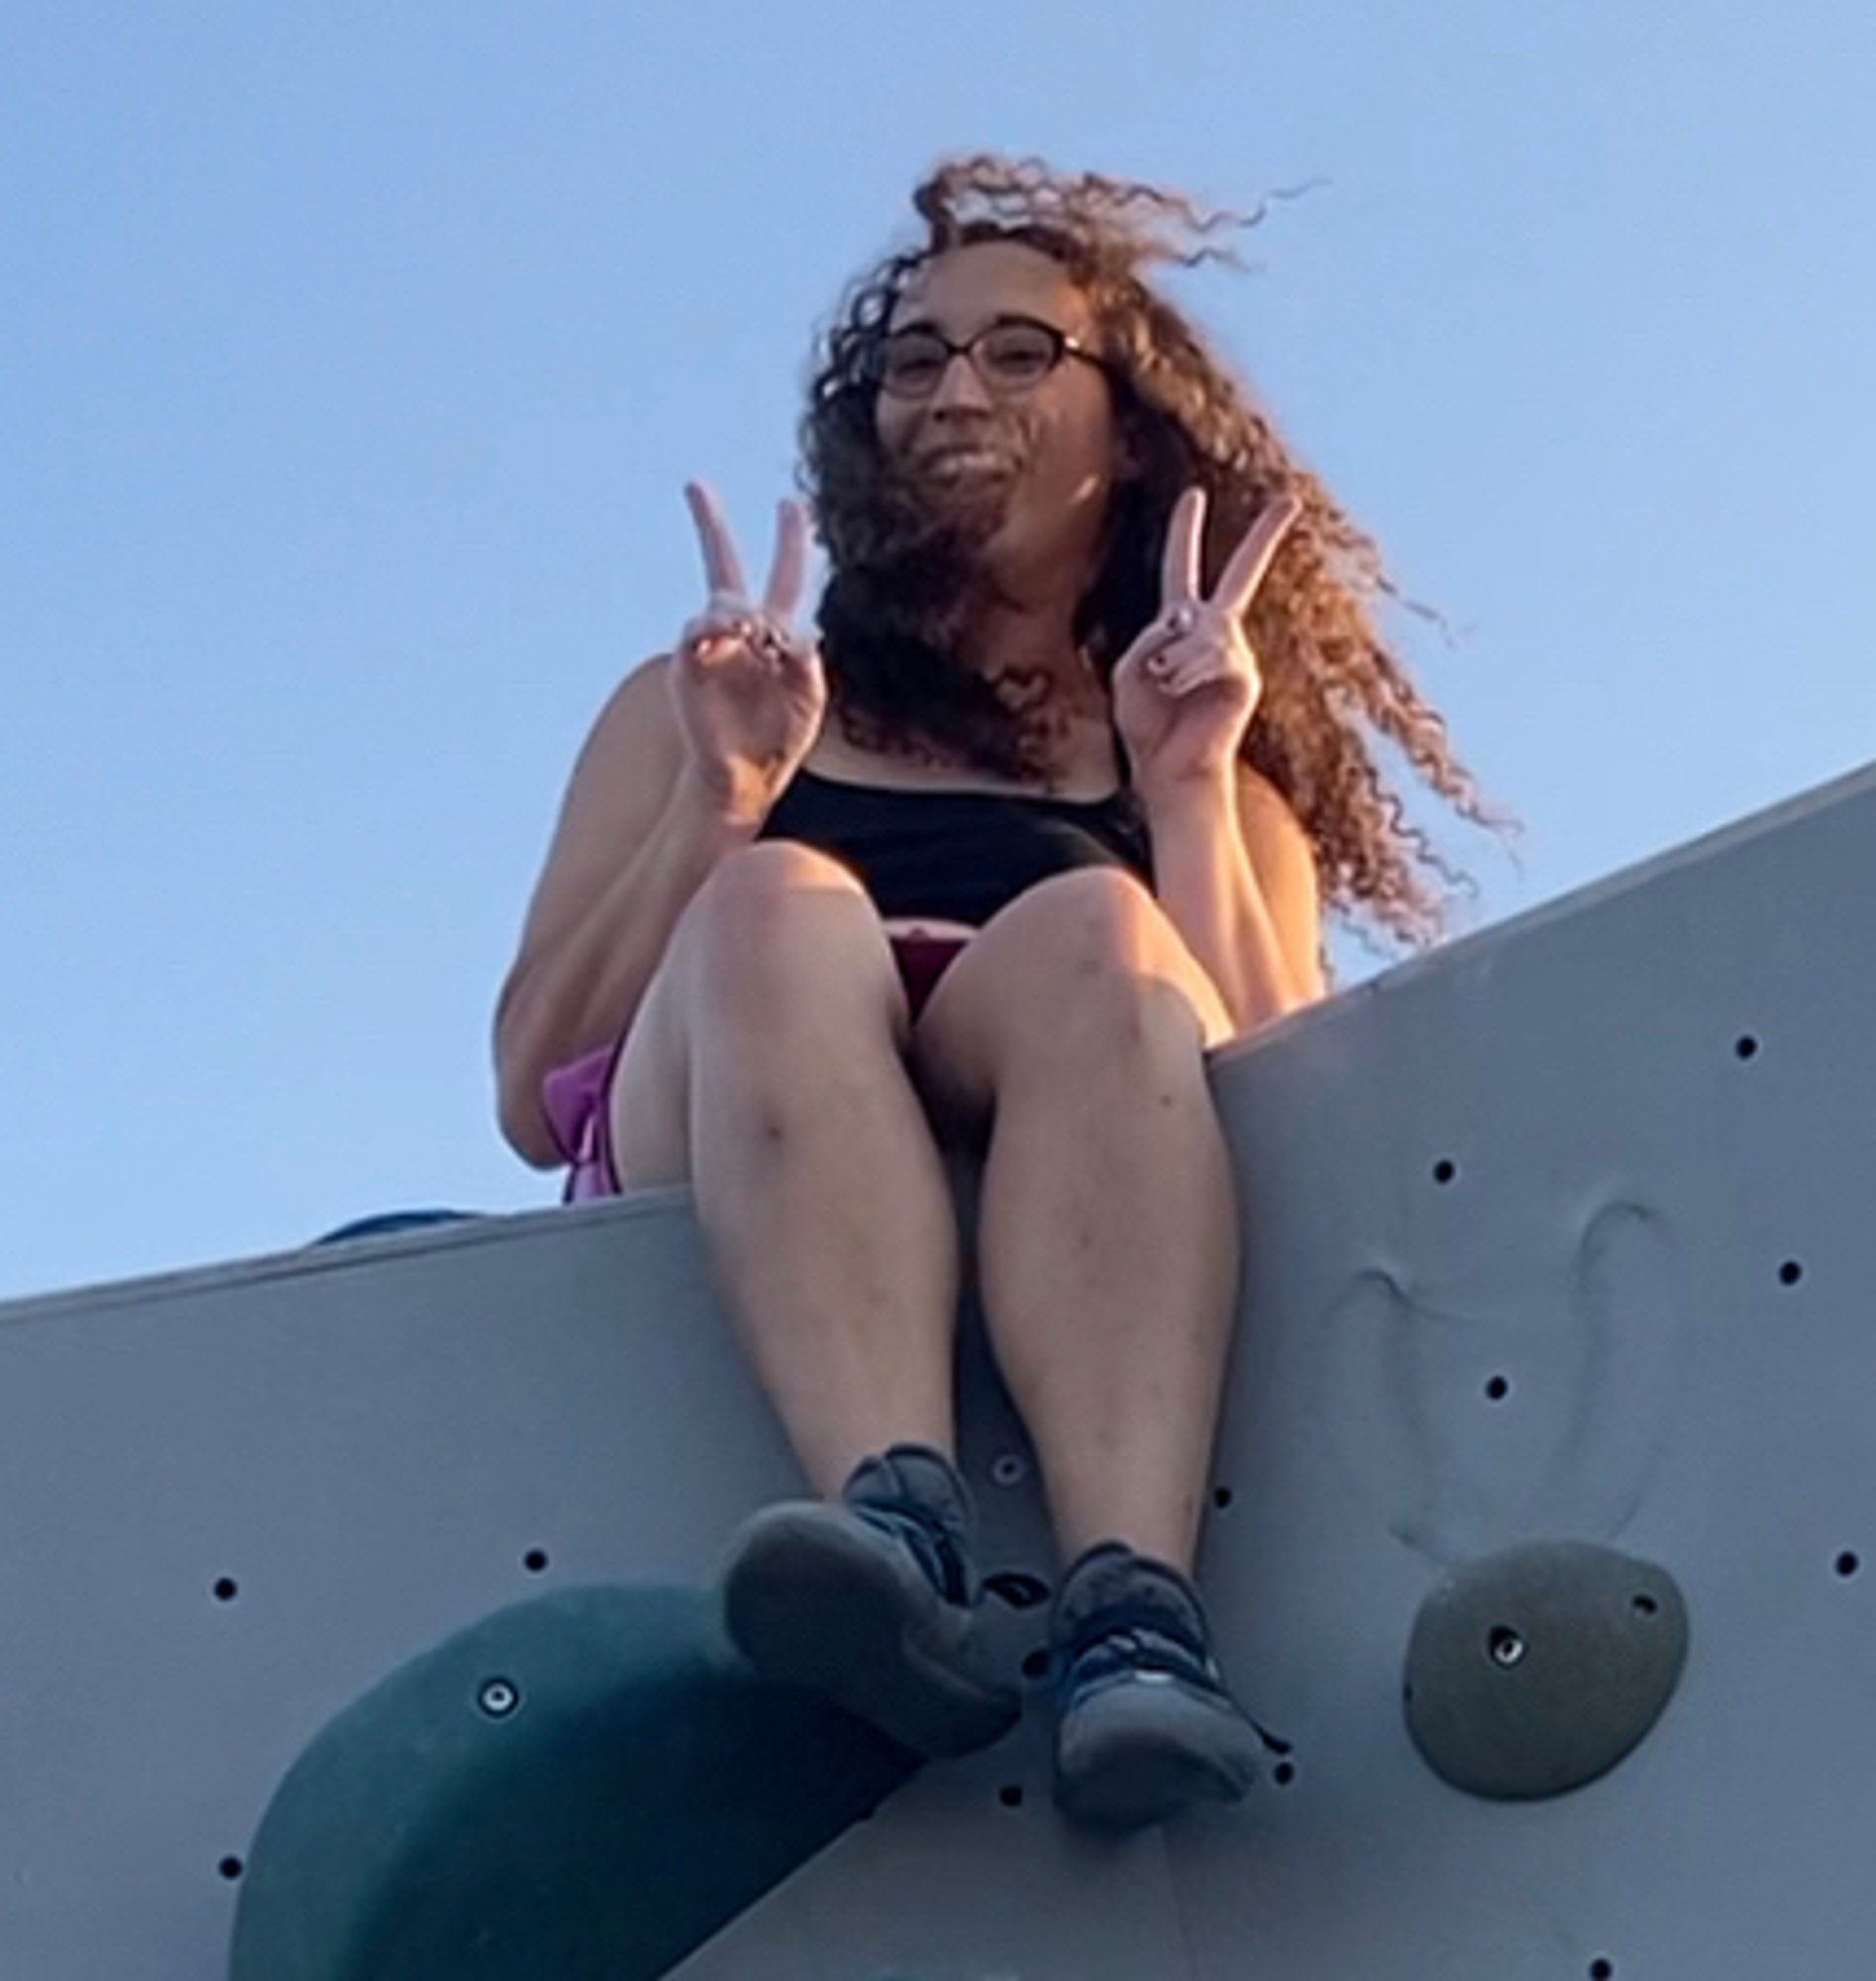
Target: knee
764	887
1100	967
776	912
1094	926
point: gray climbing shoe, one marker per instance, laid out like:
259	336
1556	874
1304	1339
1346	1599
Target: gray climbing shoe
874	1603
1144	1724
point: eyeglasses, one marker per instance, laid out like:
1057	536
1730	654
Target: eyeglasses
1011	354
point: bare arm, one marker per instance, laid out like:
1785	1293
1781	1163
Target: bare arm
1238	883
638	835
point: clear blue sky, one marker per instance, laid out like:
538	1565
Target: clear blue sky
353	358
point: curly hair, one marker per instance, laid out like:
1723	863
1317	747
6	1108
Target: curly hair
892	612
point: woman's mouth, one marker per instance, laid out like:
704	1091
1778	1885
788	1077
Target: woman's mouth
961	464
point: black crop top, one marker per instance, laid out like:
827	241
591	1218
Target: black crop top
956	856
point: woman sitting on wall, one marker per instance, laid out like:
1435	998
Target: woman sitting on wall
1042	819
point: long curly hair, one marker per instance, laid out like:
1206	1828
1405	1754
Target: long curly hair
891	613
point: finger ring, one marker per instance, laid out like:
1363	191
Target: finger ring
1181	619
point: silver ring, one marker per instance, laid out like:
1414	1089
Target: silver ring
1181	619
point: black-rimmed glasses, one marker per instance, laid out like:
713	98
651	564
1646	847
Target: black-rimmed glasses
1010	355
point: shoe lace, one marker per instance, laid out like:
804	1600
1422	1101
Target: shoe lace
1120	1645
933	1546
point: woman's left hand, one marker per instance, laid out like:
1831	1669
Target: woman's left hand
1185	691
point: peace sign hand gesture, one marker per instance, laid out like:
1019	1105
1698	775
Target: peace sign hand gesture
750	691
1185	691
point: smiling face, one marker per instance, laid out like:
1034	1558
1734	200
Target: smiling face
1036	465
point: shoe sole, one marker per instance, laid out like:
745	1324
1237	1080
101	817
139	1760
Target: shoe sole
1135	1755
815	1601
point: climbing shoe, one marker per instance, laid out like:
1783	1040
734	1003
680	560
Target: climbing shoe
874	1603
1144	1724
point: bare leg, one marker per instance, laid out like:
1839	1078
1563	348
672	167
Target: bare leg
1108	1230
1109	1256
823	1199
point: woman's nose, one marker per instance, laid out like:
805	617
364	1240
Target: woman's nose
959	384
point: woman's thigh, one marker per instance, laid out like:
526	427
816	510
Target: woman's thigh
722	938
1014	987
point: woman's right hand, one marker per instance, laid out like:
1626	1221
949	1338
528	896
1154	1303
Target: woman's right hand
750	692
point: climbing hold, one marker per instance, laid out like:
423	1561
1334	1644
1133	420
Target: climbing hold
1536	1668
588	1783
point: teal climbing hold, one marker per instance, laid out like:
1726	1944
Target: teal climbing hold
587	1784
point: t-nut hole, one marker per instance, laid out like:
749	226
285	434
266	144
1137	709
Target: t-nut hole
1848	1563
1009	1469
1284	1773
1790	1273
1505	1647
1746	1047
1010	1795
535	1560
1445	1170
1645	1606
1602	1970
230	1868
227	1588
1497	1388
1222	1496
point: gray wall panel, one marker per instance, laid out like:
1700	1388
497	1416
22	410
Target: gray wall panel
369	1441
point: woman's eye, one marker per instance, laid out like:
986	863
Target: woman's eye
1022	357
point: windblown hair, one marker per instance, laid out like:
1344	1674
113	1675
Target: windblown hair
893	608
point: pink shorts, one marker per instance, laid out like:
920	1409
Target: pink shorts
573	1095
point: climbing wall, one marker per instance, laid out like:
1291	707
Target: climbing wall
1560	1235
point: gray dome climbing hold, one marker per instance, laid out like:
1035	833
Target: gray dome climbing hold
1535	1670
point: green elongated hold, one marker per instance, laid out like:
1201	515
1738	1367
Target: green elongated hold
589	1783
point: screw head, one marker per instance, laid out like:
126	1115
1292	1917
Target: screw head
1507	1648
498	1697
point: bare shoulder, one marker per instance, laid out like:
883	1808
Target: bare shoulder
637	718
621	781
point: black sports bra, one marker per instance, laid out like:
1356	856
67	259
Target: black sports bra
957	856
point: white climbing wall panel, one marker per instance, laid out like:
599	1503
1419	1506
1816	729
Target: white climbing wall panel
1567	1231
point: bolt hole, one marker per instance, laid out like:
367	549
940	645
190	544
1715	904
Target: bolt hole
1010	1795
1791	1272
1747	1047
230	1868
1284	1773
227	1588
1036	1665
1847	1563
535	1560
1019	1589
1645	1606
1222	1496
1602	1970
1497	1388
1445	1170
1407	1691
